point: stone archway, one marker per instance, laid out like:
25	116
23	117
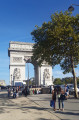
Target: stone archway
20	53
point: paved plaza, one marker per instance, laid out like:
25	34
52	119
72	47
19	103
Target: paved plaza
36	107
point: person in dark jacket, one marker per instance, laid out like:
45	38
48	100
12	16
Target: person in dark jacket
17	92
54	98
62	98
9	92
25	91
14	93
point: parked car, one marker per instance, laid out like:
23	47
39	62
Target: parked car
70	85
71	90
62	87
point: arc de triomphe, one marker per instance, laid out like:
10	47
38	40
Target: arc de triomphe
20	53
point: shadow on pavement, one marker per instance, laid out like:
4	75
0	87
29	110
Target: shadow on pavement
67	113
34	107
45	119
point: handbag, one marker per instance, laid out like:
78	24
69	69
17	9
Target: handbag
51	103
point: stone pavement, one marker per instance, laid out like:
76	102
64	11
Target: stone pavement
22	108
36	107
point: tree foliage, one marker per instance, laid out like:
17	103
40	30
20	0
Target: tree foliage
57	42
67	80
57	81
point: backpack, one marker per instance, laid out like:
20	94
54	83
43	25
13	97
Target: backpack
67	90
62	97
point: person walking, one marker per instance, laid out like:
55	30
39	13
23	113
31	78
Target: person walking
9	92
51	88
66	92
25	91
59	99
14	93
54	98
17	92
62	98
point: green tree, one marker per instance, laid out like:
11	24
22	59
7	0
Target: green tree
57	81
57	42
68	80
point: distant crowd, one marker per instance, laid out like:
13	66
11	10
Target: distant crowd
15	92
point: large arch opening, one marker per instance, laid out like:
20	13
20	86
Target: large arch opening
29	74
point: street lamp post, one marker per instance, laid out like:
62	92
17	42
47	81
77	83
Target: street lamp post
11	79
28	74
71	8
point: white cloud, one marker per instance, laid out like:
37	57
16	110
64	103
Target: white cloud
77	72
59	74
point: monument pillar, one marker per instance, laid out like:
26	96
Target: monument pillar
43	75
17	69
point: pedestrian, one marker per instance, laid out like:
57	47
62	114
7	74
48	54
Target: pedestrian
33	91
66	92
59	99
54	99
9	92
17	92
0	89
14	93
19	88
37	91
51	88
25	91
62	98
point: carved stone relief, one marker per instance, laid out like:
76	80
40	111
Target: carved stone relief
16	74
46	74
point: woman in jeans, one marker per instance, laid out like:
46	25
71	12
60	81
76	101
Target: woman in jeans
62	98
59	100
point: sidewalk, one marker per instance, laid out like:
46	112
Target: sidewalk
23	108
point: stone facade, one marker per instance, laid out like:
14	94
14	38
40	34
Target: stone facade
20	53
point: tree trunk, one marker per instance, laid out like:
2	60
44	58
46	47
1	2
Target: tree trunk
74	78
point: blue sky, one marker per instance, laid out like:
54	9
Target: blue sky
18	19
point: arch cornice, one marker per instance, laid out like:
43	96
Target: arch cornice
20	47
